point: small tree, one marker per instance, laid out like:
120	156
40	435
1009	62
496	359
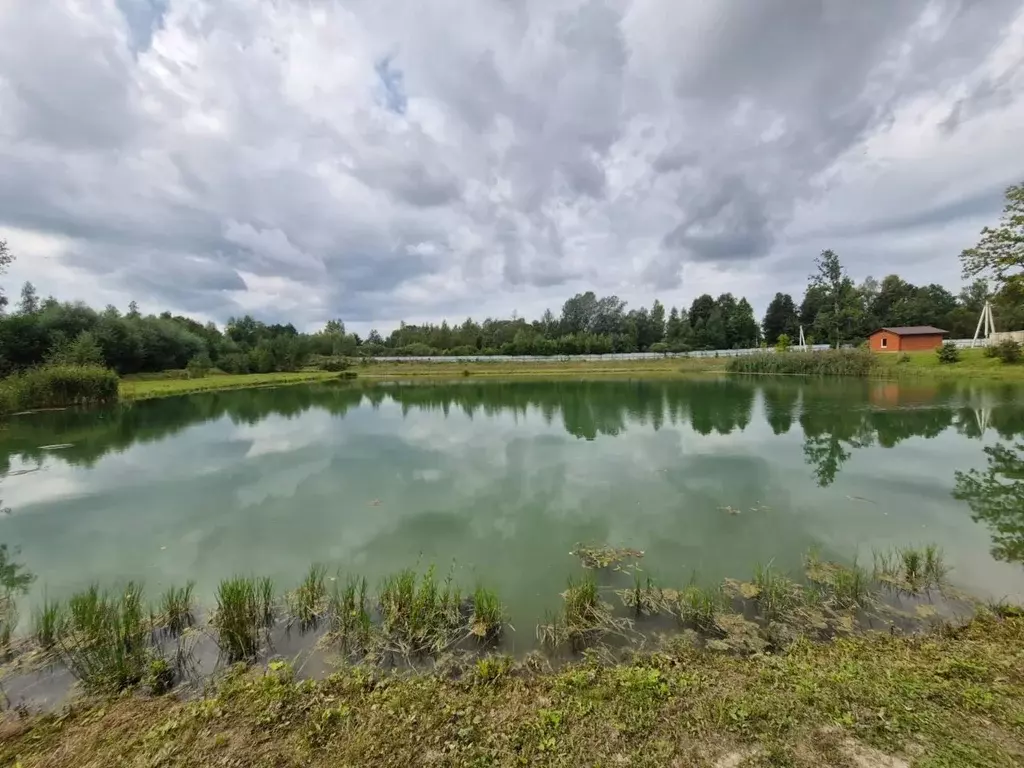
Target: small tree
948	353
783	343
199	365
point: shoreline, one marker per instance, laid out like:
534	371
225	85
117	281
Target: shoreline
973	369
952	697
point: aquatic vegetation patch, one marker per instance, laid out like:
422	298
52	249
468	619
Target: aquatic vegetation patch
350	621
309	603
243	614
176	609
418	615
488	618
911	569
605	556
47	622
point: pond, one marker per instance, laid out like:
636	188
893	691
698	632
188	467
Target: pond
498	481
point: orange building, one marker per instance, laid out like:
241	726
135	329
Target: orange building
907	338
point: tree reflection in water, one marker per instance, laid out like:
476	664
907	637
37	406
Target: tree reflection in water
996	498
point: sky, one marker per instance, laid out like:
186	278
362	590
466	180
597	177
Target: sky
386	160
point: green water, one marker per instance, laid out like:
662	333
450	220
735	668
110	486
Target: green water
500	480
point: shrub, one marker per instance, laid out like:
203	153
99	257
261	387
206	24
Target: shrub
335	365
903	359
948	353
832	362
1008	351
57	386
199	366
784	343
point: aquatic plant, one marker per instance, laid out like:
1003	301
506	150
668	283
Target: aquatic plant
583	618
47	621
605	556
309	601
242	615
105	643
773	592
350	620
912	569
841	586
417	616
176	608
698	606
831	362
56	386
488	617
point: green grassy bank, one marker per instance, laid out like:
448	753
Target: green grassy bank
953	698
146	388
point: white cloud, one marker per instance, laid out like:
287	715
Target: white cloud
374	160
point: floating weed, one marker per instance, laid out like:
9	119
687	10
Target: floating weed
488	617
605	556
177	611
47	622
243	608
309	601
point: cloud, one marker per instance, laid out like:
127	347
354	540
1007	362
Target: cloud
377	161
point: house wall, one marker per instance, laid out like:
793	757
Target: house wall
892	341
920	343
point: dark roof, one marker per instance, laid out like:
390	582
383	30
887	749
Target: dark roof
913	330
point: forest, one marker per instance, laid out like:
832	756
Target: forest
37	331
833	309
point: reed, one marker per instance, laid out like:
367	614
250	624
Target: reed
488	618
105	643
832	362
57	386
349	614
177	611
309	601
418	616
242	616
47	622
699	606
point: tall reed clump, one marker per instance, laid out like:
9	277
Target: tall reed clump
488	618
244	611
308	603
776	595
57	386
177	611
831	362
699	606
350	620
104	640
418	615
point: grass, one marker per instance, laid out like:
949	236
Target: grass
972	365
309	602
351	623
832	362
775	594
418	615
911	569
699	606
952	698
105	641
144	389
552	368
47	622
177	611
244	611
583	620
488	617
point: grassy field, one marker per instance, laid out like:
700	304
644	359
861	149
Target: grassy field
143	389
973	365
955	698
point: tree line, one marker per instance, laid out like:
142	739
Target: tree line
833	310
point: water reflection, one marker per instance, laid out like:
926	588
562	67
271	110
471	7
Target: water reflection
996	497
836	418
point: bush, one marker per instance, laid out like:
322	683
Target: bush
948	353
831	362
1008	351
783	343
199	366
58	386
903	358
335	365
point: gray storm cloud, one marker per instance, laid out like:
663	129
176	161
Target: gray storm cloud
387	159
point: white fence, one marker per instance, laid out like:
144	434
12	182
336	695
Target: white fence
962	343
